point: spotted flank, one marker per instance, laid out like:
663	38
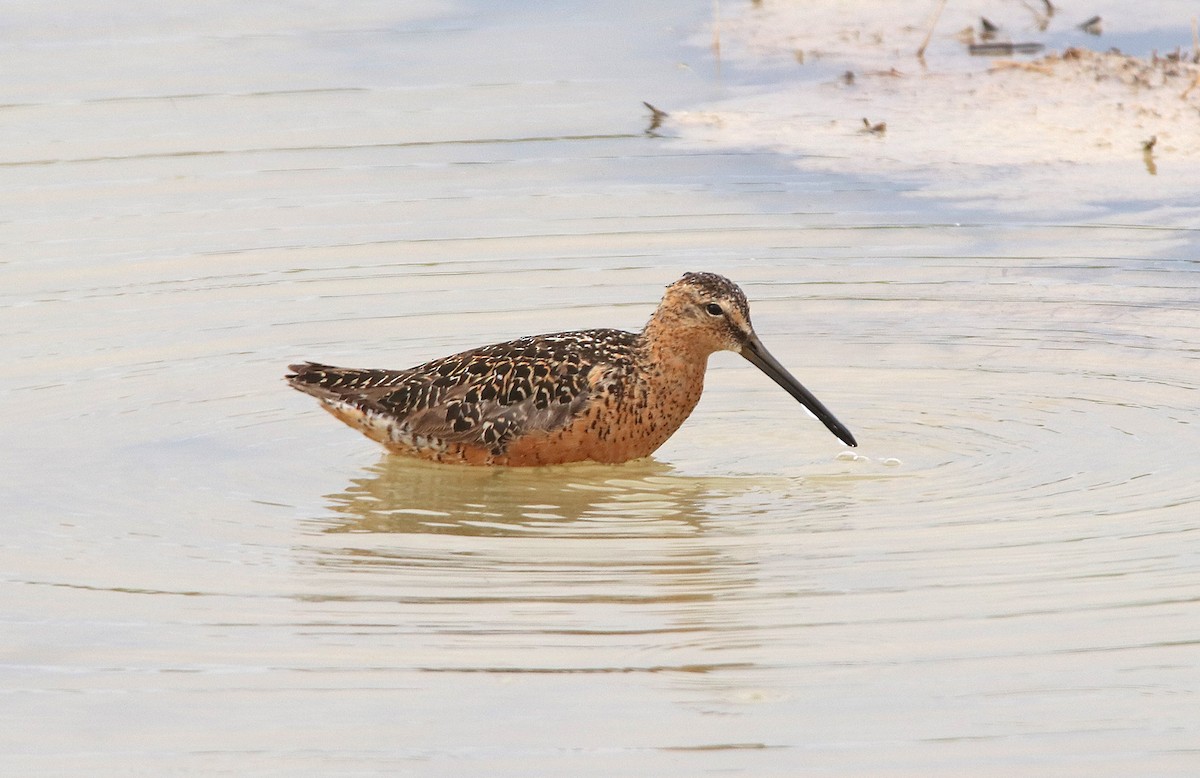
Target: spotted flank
603	395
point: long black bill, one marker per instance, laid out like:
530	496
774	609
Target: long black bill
757	354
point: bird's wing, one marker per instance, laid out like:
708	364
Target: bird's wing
486	397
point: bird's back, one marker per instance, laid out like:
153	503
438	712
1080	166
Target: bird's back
475	405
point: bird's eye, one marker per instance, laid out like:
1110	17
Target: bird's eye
713	309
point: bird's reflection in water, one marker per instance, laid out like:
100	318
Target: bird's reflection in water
405	496
576	568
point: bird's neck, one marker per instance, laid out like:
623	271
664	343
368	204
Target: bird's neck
673	363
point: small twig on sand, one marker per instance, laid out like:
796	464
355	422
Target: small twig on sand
716	42
656	117
878	128
1093	26
1042	20
1032	67
1195	83
928	35
992	49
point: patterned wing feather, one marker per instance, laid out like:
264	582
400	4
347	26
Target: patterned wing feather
485	397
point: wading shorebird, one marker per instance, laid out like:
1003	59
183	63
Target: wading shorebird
602	395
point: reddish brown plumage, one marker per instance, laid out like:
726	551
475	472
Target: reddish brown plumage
601	395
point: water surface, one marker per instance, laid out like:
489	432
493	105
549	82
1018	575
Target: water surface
202	571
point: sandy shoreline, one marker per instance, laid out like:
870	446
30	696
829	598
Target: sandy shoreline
1105	122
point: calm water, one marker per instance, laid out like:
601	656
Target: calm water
203	572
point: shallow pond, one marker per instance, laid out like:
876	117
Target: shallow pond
203	572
